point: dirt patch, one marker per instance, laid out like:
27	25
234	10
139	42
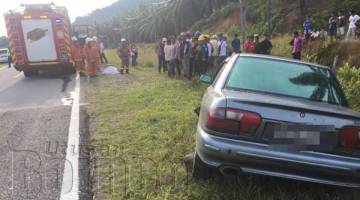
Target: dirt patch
233	19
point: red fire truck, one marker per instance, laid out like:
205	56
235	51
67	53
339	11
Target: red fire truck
39	38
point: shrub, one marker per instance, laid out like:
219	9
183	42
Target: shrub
347	52
149	64
349	78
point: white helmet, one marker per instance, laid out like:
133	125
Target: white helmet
123	40
88	40
95	38
74	39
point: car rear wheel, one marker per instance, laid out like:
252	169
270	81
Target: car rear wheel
200	170
31	73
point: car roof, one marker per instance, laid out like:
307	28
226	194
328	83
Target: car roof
277	58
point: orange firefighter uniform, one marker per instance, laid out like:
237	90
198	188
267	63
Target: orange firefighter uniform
92	57
124	54
78	56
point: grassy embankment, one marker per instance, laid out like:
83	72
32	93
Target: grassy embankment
148	123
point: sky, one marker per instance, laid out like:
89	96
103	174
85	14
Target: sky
75	7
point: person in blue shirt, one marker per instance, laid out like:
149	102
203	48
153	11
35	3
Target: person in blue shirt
308	27
236	44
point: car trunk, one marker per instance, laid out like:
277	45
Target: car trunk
290	109
279	110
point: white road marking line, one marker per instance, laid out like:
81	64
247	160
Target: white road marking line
70	181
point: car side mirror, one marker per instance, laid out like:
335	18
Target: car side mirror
206	79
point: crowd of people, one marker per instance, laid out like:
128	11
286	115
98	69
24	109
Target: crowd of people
336	27
336	31
195	53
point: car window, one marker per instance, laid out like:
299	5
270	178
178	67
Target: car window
3	51
286	78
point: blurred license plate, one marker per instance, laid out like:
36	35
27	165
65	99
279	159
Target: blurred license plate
302	137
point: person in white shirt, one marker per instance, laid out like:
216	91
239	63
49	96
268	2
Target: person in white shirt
352	25
210	50
170	54
103	58
222	48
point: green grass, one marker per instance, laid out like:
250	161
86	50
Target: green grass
148	122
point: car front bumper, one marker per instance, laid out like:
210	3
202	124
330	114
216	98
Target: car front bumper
261	159
4	60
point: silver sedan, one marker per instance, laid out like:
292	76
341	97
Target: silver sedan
277	117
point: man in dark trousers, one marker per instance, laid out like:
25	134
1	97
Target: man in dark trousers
235	44
185	51
161	54
265	46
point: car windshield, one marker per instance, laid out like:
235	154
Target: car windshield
286	78
3	51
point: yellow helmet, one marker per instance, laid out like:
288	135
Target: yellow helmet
202	37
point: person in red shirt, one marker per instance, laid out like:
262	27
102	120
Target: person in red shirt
249	45
77	51
92	57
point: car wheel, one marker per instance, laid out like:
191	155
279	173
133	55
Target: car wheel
200	170
31	73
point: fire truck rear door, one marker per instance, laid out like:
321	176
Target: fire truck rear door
39	40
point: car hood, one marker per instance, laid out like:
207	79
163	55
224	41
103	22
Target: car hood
292	103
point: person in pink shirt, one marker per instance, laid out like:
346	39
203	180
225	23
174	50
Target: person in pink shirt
297	43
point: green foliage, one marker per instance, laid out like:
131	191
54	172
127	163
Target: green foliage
206	23
349	78
345	51
344	6
282	46
151	22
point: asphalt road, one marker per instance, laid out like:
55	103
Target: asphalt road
34	126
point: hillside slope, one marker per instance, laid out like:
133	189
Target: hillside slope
149	23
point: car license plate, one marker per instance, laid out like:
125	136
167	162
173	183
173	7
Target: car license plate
302	137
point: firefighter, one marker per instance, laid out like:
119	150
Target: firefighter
77	51
97	44
124	54
96	47
92	57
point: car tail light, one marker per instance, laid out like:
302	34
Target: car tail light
350	137
232	121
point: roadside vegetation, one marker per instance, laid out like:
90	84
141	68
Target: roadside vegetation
150	22
143	125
